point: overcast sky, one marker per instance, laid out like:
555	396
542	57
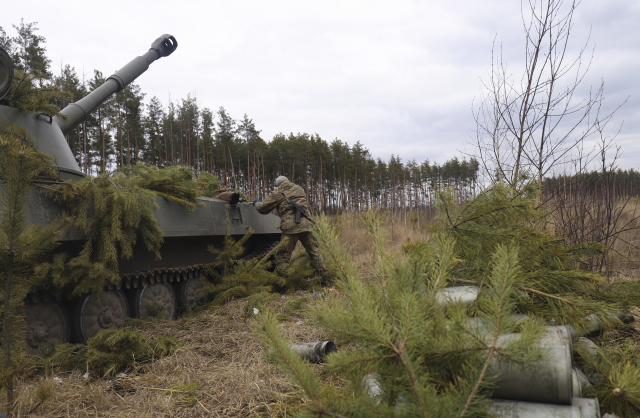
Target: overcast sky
399	76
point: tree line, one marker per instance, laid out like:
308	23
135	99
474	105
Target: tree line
620	183
126	131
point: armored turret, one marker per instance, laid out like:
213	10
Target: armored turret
48	133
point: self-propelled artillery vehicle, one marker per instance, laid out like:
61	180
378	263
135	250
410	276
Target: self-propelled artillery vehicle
171	283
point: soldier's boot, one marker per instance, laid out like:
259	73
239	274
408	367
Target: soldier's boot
324	280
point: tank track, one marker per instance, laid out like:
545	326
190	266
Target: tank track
134	280
177	274
158	275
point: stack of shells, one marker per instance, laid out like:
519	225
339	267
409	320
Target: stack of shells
552	389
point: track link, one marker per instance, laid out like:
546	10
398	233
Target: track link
164	274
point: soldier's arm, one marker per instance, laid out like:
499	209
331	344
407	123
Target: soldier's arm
270	203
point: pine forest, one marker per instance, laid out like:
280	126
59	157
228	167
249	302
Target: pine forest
126	131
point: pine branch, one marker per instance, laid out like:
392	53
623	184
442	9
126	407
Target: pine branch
487	213
295	366
323	237
526	289
493	347
400	351
537	292
387	344
486	347
475	282
270	253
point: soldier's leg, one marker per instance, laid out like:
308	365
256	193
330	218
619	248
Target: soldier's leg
307	240
283	255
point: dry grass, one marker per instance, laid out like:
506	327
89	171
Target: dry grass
399	229
220	371
635	311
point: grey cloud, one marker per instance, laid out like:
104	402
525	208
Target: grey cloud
400	77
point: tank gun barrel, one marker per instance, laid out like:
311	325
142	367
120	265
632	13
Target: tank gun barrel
78	112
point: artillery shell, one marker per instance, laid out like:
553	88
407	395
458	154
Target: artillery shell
315	352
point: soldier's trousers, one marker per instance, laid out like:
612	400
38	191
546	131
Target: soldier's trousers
284	253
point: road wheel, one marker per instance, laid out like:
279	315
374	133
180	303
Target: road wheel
190	294
94	313
153	299
46	322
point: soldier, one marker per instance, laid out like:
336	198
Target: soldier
293	224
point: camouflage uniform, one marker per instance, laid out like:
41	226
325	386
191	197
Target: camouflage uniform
279	200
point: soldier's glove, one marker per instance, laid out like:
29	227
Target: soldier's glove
254	201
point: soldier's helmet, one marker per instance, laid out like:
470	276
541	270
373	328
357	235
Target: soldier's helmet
281	180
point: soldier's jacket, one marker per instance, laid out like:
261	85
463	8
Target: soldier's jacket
279	199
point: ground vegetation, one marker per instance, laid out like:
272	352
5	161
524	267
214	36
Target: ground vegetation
222	358
427	361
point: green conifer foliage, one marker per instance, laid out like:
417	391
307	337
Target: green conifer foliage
625	292
21	247
235	279
208	184
175	183
226	256
115	350
112	216
301	274
114	212
30	93
428	361
550	285
308	385
107	353
614	370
